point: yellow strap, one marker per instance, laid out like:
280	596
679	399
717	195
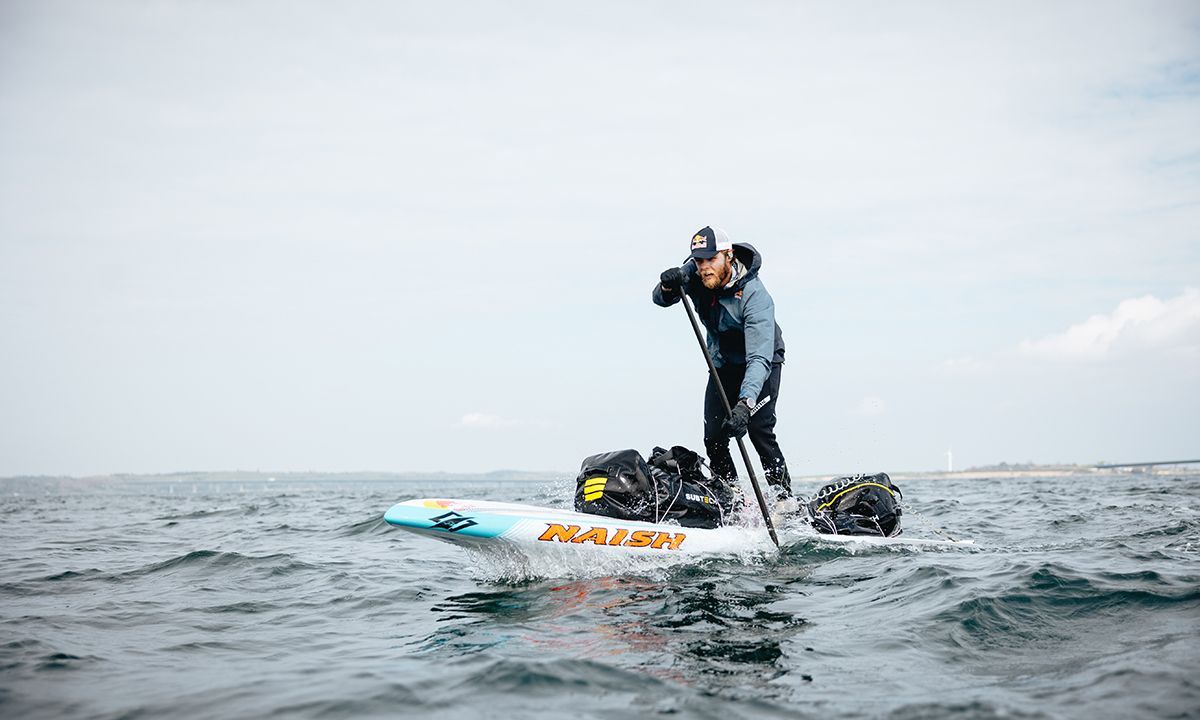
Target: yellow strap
853	487
593	487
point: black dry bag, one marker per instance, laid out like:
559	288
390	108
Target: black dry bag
685	494
859	505
615	484
672	486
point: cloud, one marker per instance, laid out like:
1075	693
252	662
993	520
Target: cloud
1138	324
965	363
481	420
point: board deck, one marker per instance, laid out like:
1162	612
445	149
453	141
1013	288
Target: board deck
481	523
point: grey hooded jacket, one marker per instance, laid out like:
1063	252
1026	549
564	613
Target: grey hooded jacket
740	320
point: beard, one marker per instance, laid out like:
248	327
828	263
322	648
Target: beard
712	278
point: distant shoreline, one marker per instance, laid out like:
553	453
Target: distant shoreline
1009	474
252	477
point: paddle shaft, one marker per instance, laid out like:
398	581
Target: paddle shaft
712	369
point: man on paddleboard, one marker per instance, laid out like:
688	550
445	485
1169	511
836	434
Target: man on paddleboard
721	278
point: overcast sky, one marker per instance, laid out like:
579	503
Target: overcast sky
423	236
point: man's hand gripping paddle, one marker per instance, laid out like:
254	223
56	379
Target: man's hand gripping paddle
712	369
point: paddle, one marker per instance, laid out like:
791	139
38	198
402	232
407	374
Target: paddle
712	369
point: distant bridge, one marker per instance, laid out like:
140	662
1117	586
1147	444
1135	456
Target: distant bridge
1146	464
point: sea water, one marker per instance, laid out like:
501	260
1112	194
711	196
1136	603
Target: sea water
1081	599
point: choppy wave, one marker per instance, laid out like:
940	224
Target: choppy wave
1081	598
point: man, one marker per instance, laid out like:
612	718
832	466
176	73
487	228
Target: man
721	278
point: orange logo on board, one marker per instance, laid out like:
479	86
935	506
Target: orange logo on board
653	539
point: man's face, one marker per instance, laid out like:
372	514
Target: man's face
715	271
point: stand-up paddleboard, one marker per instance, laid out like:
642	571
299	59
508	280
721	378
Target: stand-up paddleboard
482	523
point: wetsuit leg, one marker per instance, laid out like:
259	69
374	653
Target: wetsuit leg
762	435
716	441
761	431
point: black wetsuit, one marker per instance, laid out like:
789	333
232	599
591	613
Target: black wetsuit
762	427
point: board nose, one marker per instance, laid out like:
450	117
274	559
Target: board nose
396	514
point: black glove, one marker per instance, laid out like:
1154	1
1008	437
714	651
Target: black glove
672	279
738	421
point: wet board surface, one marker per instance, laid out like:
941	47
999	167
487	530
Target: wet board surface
483	523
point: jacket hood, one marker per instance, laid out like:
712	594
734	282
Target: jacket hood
750	259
